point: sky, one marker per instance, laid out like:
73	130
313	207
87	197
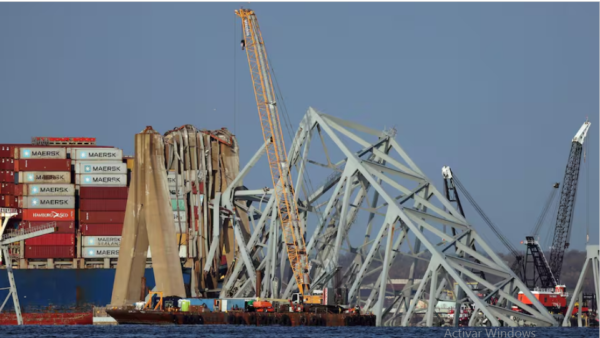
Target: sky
495	90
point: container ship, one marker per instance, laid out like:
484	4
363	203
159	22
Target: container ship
81	187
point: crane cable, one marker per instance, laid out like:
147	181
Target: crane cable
308	184
234	75
484	216
547	243
536	229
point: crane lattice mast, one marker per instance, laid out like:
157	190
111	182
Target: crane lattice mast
277	155
566	208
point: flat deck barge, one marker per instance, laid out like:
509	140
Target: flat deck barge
157	317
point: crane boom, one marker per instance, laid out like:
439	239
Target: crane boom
277	155
564	217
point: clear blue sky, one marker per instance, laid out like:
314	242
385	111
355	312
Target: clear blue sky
495	90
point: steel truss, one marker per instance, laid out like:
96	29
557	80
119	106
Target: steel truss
5	241
379	191
591	261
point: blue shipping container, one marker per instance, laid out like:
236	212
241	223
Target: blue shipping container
209	303
230	303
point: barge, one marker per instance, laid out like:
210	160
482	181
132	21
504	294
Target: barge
158	317
159	310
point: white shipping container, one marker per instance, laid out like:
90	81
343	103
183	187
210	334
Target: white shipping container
45	177
100	252
173	192
105	180
50	189
182	252
179	216
101	241
113	252
100	168
196	200
173	178
97	154
49	202
41	153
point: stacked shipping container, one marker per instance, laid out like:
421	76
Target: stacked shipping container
44	193
180	205
7	182
102	200
83	190
44	183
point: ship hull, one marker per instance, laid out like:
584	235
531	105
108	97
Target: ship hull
59	296
48	318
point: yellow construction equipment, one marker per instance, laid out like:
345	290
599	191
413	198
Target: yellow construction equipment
266	102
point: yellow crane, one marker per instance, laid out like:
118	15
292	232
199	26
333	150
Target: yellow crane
264	93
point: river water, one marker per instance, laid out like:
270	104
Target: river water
133	331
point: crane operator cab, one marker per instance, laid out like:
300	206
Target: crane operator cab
317	298
296	298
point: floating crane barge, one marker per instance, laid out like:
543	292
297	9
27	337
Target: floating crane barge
259	312
155	317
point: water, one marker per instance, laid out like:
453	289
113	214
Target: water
134	331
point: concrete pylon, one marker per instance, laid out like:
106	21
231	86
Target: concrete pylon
148	221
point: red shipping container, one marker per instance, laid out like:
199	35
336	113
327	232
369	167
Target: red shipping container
9	177
4	201
102	205
3	176
96	217
115	193
101	229
6	163
5	150
9	149
43	165
195	191
8	188
48	214
61	227
50	251
52	239
18	189
19	215
15	201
